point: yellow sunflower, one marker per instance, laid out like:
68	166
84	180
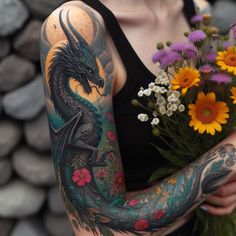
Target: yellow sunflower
185	79
233	91
207	114
226	60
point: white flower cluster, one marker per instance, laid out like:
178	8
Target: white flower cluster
167	101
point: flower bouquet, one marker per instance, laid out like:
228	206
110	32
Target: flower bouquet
191	105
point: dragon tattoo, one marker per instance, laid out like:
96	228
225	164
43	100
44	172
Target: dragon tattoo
75	147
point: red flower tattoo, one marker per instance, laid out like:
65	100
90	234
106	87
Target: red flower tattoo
81	177
101	173
111	136
118	183
141	225
159	214
133	202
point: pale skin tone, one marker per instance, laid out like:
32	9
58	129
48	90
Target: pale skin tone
130	20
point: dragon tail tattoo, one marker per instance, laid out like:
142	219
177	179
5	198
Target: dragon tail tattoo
75	147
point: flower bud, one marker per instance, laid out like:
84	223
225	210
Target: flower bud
151	105
135	102
160	45
207	19
186	34
168	43
156	132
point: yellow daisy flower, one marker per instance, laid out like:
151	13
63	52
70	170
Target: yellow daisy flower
185	79
233	91
226	60
207	114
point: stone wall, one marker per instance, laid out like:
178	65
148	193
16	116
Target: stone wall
30	204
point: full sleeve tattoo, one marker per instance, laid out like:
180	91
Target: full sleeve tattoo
78	80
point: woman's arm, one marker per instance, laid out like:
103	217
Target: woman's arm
79	77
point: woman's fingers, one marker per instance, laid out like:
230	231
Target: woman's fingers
227	190
221	201
218	211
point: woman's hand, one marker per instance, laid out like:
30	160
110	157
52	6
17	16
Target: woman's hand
223	202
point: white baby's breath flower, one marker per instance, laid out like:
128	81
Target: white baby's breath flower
163	90
141	88
151	85
140	93
143	117
154	114
155	121
162	110
169	113
156	89
160	101
168	106
177	102
181	108
147	92
173	107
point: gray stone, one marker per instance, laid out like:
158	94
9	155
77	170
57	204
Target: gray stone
42	8
55	202
15	71
224	15
28	227
13	14
5	171
37	133
19	199
58	225
10	135
5	226
27	42
4	47
34	167
26	102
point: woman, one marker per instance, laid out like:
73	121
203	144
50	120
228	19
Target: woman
91	74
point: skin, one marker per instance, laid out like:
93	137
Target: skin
88	135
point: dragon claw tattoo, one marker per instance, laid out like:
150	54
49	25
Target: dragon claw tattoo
84	148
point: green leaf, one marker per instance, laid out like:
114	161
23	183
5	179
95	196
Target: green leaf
105	232
161	174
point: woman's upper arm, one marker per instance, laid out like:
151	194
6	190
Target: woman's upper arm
78	80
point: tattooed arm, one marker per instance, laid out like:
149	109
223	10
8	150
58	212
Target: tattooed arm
78	80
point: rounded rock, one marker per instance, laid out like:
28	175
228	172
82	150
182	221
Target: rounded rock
26	102
28	227
19	199
5	171
27	42
55	202
10	135
34	167
37	133
58	225
13	14
11	78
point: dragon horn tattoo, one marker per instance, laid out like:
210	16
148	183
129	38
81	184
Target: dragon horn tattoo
76	144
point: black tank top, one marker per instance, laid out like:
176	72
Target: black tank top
139	158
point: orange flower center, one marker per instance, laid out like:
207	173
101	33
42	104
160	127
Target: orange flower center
206	113
186	81
230	60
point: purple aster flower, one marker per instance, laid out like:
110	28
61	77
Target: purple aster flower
170	59
187	49
221	78
196	19
196	36
234	30
158	56
227	44
206	69
178	47
211	57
